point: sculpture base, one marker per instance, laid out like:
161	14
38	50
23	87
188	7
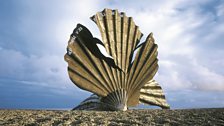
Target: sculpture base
115	101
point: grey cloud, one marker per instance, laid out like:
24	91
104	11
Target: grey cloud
190	41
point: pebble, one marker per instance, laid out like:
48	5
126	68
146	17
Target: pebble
130	117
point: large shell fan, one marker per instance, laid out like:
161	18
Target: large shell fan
117	81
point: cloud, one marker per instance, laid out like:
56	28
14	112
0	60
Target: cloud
48	69
195	99
187	35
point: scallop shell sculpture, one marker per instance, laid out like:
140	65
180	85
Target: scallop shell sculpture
117	81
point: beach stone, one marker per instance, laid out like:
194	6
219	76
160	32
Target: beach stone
130	117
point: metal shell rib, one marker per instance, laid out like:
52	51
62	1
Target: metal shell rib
117	80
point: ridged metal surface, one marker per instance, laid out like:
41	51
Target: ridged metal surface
151	93
91	103
117	77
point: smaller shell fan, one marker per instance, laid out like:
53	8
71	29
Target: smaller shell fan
117	81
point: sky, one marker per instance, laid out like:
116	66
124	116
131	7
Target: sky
34	36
